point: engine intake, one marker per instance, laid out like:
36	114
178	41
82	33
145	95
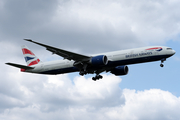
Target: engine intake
120	70
99	60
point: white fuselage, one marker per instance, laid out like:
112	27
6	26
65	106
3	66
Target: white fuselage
122	57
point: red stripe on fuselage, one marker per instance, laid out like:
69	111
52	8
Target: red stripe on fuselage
154	48
26	51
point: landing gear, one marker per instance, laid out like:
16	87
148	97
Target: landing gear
82	73
161	65
82	68
162	62
97	77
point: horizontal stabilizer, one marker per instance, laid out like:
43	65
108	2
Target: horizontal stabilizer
20	66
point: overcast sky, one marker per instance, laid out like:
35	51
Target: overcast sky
89	27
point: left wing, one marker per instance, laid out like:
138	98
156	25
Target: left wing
63	53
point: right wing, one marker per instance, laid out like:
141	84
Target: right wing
20	66
63	53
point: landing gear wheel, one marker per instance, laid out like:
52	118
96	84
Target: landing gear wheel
164	59
94	78
100	77
97	77
161	65
82	73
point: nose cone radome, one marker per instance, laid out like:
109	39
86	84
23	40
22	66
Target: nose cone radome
173	52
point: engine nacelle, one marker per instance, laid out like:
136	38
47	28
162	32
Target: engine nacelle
99	60
120	70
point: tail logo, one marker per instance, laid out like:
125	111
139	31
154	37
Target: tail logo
34	62
30	57
26	51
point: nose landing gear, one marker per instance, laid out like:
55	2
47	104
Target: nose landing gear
161	65
164	59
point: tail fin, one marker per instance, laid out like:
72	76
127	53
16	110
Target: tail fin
29	56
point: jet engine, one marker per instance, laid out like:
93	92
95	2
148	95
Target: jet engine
120	70
99	60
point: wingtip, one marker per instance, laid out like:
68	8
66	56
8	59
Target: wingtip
8	63
28	40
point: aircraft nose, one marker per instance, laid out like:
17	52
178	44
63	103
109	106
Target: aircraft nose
173	52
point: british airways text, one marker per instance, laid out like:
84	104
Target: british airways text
140	54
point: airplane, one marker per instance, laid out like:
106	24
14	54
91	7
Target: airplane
114	62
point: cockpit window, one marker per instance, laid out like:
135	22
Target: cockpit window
169	48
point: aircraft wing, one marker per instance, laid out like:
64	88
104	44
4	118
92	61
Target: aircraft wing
63	53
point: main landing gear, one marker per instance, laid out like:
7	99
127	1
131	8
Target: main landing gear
97	77
162	62
82	73
83	70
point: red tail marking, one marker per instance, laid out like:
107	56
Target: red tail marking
23	70
34	62
26	51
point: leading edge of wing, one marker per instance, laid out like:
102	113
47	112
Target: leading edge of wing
63	53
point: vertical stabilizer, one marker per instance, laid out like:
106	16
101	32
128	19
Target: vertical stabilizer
29	56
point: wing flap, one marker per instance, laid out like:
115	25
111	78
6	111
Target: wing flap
20	66
63	53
